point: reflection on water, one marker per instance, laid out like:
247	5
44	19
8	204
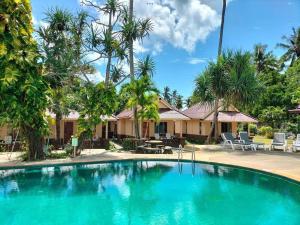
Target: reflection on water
95	178
146	192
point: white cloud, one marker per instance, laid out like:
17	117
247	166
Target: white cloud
195	61
96	77
182	23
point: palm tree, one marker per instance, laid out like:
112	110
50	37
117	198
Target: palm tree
179	102
216	104
230	80
263	60
131	30
222	28
292	46
141	92
167	94
174	97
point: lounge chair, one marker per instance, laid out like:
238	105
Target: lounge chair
156	136
296	143
245	139
229	140
279	140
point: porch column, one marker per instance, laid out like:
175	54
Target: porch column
181	128
106	130
141	132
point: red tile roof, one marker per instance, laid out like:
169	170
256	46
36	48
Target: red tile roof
173	115
198	111
232	117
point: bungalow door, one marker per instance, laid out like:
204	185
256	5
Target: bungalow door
68	131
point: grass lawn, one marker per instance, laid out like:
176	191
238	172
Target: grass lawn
267	141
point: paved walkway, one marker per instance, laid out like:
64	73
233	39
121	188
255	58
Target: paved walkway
285	164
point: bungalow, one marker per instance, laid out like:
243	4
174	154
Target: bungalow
69	127
202	116
171	122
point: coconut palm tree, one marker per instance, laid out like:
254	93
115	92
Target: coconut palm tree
263	60
216	104
166	94
133	29
292	46
141	92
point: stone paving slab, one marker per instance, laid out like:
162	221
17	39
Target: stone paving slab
285	164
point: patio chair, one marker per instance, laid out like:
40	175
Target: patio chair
156	136
229	140
245	139
279	140
296	143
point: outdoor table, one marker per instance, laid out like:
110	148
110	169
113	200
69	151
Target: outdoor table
154	143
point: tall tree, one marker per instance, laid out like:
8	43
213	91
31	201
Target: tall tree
61	43
141	92
179	102
216	104
133	29
292	46
167	94
231	80
23	90
264	60
104	37
222	28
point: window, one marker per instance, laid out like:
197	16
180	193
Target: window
161	128
200	128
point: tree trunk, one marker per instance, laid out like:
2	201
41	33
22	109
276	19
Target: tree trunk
58	118
216	127
215	121
35	143
107	75
222	28
136	123
131	67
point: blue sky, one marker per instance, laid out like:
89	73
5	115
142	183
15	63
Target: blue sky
185	35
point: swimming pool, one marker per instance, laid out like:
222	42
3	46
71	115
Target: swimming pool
146	192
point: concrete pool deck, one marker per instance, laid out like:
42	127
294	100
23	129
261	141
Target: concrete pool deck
284	164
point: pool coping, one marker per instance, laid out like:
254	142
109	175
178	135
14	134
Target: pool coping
41	164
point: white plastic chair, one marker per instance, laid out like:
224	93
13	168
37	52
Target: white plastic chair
168	136
279	140
156	136
296	143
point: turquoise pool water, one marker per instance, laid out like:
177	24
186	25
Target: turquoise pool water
141	192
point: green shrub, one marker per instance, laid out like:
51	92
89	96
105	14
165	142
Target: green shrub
128	144
252	129
69	149
266	131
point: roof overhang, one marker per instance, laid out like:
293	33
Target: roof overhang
172	115
232	117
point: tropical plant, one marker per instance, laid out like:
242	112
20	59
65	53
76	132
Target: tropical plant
292	47
143	95
103	37
61	43
96	101
166	94
272	116
230	80
23	90
263	60
216	103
